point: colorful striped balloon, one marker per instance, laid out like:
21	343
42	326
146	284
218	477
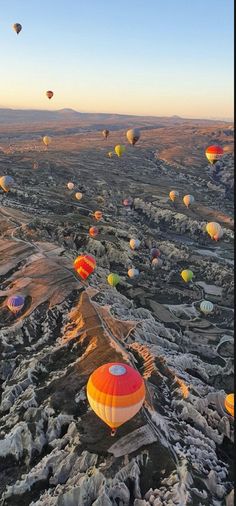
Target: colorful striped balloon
15	303
84	265
115	392
229	404
214	153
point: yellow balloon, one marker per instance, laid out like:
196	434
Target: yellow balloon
47	140
119	149
187	275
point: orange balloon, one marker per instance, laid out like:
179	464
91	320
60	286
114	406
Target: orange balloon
93	231
98	215
84	265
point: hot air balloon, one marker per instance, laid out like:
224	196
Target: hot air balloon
128	202
70	185
119	149
173	195
35	165
214	229
188	200
47	140
84	265
78	195
113	279
206	307
49	94
15	303
155	252
98	215
187	275
214	153
134	243
105	133
116	392
110	154
93	231
156	262
6	182
133	136
133	273
17	28
229	404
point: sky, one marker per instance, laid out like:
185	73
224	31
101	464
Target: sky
144	57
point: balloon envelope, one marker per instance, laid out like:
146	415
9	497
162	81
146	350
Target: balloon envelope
188	200
6	182
105	133
133	273
173	195
15	303
214	229
98	215
70	186
155	252
133	136
206	307
187	275
229	404
115	392
47	140
78	195
134	243
119	149
85	265
17	27
93	231
49	94
214	153
156	262
113	279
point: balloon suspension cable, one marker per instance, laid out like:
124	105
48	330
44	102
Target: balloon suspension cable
113	432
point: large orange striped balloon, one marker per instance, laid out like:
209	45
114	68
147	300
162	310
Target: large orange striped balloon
214	153
116	393
85	265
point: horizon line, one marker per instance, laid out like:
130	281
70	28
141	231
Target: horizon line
227	120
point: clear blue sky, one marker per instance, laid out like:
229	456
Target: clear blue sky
159	57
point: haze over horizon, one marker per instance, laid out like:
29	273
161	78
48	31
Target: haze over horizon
139	60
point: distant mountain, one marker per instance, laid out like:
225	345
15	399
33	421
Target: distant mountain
99	120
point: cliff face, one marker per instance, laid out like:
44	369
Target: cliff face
53	449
